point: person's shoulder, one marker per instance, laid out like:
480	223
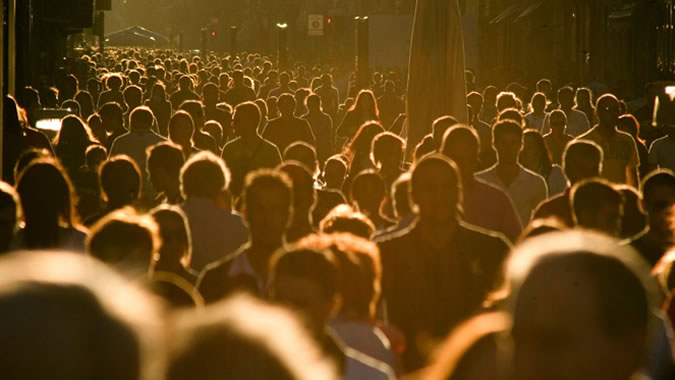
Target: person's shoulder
486	172
487	189
393	240
474	234
232	144
531	176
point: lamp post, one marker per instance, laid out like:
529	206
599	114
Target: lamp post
362	65
282	53
233	40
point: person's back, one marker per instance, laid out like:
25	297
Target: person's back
322	127
287	129
239	92
216	230
390	105
184	93
136	142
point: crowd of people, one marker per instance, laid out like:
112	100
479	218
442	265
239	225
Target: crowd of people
224	218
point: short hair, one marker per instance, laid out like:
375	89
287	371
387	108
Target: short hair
506	100
120	178
113	111
286	102
245	339
557	113
439	127
581	149
167	156
512	114
304	153
657	178
623	288
125	240
506	127
266	179
367	176
360	269
250	113
434	160
194	108
317	266
382	141
587	194
204	175
455	134
52	317
141	118
95	152
343	218
164	215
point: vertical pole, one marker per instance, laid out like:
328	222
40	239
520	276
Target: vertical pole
282	48
233	41
362	64
203	43
100	28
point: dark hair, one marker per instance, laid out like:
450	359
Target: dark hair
506	127
72	141
317	266
166	155
44	210
304	153
343	218
303	183
250	113
383	140
582	148
657	178
439	127
112	110
455	134
363	139
587	194
266	179
120	180
141	118
125	240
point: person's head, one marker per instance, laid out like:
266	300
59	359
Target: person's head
210	94
629	124
174	233
545	86
185	83
507	139
204	175
69	317
475	100
566	97
286	105
44	211
461	144
506	100
335	171
634	220
306	280
159	91
313	103
303	153
112	116
83	98
359	268
344	219
141	118
400	196
579	300
558	121
238	78
439	127
658	197
304	194
28	156
181	128
387	151
243	338
73	138
10	214
327	80
267	206
534	155
165	161
120	180
125	240
435	189
583	98
512	114
114	82
284	78
96	154
608	111
538	102
582	160
196	110
490	96
368	192
365	104
133	96
215	130
597	206
389	87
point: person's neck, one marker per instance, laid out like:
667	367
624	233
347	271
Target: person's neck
435	233
173	191
606	129
507	171
250	138
259	255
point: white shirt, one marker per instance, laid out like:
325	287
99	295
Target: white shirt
577	123
527	190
